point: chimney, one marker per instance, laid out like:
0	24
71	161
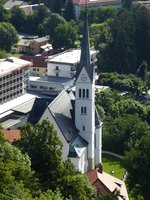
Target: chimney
100	169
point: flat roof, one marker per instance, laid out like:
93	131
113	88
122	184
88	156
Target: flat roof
10	64
5	107
50	79
71	56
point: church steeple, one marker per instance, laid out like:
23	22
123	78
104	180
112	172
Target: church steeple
85	96
85	59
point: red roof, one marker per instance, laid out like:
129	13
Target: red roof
11	135
91	2
92	176
38	61
107	183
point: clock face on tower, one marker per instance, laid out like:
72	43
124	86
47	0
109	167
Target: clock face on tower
83	77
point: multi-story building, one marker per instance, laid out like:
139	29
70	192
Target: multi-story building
65	64
61	70
14	77
34	45
39	67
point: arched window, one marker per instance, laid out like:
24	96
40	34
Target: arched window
87	93
83	93
84	110
79	93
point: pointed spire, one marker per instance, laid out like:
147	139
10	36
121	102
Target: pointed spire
85	59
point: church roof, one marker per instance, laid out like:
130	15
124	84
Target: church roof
38	109
62	111
85	59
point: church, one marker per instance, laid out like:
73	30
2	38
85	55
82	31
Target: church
74	115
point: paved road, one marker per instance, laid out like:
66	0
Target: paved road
113	154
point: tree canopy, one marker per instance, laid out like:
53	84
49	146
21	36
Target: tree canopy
8	36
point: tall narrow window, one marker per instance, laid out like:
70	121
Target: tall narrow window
79	93
87	93
83	128
84	110
83	93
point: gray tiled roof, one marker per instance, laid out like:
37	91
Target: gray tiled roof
38	109
61	109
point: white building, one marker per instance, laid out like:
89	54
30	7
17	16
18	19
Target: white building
61	70
65	63
75	117
14	77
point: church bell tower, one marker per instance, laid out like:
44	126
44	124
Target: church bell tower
85	95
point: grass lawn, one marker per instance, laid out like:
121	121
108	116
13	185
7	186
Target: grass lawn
111	163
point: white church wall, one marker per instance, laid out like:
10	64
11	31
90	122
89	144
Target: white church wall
98	145
65	149
80	163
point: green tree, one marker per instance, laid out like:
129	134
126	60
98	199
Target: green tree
50	195
105	99
77	187
44	147
3	54
127	3
69	11
4	16
31	23
17	181
42	13
18	18
123	133
106	12
8	36
57	6
51	23
65	36
101	111
128	106
137	163
142	70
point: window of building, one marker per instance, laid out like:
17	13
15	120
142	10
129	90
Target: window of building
57	74
43	87
79	93
83	128
33	86
83	110
57	68
83	93
34	69
87	93
38	69
72	68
